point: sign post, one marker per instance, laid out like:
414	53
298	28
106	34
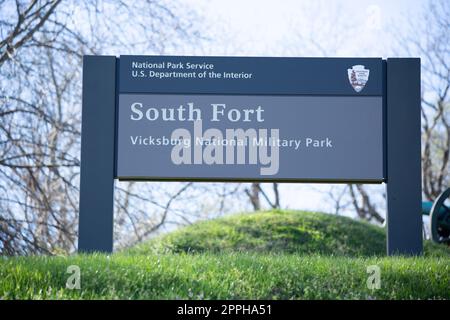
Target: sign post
95	231
335	120
403	184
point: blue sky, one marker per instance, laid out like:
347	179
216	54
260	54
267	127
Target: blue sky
279	28
268	28
264	27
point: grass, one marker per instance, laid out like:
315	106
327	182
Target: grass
270	255
224	276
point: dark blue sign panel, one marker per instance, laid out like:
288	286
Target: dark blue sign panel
251	75
272	119
231	137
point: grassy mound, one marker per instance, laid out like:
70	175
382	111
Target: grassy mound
278	231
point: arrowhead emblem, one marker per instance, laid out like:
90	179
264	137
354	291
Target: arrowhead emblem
358	77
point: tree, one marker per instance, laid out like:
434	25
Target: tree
256	190
429	39
41	49
434	50
30	20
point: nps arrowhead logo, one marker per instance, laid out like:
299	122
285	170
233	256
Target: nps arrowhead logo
358	77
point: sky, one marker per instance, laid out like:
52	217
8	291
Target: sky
270	28
255	26
343	28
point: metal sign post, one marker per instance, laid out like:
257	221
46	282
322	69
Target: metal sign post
95	231
403	184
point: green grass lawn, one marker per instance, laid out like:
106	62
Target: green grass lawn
270	255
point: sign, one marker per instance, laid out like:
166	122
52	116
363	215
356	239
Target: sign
348	120
274	119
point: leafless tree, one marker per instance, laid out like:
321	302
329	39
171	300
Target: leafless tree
365	207
41	49
429	39
338	196
253	196
255	192
30	19
434	50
